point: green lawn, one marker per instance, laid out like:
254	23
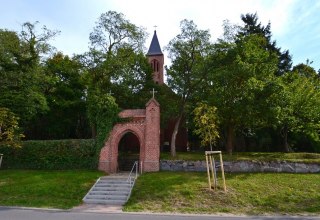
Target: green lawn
259	193
53	189
184	192
259	156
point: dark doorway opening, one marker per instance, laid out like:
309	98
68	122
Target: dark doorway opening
128	151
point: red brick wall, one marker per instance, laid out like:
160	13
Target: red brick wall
146	128
152	136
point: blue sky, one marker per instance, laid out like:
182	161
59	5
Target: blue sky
295	24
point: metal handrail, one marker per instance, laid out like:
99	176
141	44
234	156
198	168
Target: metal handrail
134	168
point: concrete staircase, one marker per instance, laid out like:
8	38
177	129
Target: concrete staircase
110	190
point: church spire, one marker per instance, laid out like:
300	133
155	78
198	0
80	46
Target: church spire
154	48
156	60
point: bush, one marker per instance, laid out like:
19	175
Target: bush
52	154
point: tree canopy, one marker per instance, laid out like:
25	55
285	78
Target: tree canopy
21	70
246	83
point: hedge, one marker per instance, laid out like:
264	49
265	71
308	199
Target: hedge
51	154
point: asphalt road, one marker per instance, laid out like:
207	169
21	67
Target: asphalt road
40	214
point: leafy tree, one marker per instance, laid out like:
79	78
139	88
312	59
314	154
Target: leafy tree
65	94
241	78
305	70
36	44
253	26
116	57
296	105
116	64
9	128
186	74
206	121
114	32
21	72
116	47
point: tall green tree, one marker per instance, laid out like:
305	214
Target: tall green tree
21	71
188	51
253	26
116	56
65	94
115	63
296	104
240	79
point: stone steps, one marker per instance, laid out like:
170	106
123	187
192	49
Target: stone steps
110	190
104	202
107	192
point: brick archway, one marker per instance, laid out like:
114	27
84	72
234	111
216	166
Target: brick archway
145	124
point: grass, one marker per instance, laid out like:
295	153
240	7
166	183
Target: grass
50	189
246	194
252	156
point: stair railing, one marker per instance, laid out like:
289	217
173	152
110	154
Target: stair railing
1	159
133	176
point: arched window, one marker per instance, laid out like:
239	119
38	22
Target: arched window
155	65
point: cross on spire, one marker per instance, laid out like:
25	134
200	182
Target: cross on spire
155	27
153	91
110	93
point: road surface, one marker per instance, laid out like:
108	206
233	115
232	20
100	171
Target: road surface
8	213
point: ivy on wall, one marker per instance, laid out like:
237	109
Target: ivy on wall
103	114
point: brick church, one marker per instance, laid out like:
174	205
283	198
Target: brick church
140	138
156	60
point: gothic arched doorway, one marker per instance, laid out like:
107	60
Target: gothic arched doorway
141	133
128	151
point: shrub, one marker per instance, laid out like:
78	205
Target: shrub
51	154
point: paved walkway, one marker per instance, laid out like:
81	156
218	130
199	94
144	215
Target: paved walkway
98	208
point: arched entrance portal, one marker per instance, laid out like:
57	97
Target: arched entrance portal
142	126
128	151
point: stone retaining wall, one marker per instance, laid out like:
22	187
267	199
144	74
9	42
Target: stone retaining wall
242	166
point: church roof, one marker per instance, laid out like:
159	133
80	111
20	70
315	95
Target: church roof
154	48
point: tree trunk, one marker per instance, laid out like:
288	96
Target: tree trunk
174	136
285	140
94	131
230	136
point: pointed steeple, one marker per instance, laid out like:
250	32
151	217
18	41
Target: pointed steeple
156	60
154	48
